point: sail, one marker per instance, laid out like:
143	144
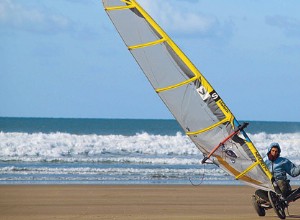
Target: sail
194	103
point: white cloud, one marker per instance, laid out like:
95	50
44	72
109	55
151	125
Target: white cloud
18	16
178	17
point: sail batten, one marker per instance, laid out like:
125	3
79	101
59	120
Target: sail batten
194	103
176	85
247	170
119	7
208	128
146	44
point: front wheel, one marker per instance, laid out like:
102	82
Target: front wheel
259	210
277	204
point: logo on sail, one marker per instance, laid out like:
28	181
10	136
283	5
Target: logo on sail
214	95
203	93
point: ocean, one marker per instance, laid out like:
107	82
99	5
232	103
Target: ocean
120	151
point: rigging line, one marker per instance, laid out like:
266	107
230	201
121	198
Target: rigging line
201	178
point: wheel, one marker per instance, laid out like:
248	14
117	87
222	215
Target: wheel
277	204
259	210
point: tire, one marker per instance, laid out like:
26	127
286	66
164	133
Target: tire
277	205
259	210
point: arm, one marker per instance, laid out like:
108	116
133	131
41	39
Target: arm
292	169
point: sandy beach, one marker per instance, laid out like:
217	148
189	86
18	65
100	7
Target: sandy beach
45	202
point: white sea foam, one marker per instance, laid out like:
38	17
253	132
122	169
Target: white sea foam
62	145
289	142
106	175
139	148
111	171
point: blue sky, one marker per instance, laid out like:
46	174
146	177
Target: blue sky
64	58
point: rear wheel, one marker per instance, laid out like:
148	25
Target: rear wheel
259	210
277	204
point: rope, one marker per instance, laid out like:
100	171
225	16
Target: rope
201	178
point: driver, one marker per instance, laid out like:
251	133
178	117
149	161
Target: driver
279	167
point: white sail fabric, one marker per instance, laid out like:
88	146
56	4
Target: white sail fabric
194	103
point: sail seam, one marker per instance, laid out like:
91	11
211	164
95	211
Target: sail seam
151	43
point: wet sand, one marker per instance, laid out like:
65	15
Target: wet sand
132	202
